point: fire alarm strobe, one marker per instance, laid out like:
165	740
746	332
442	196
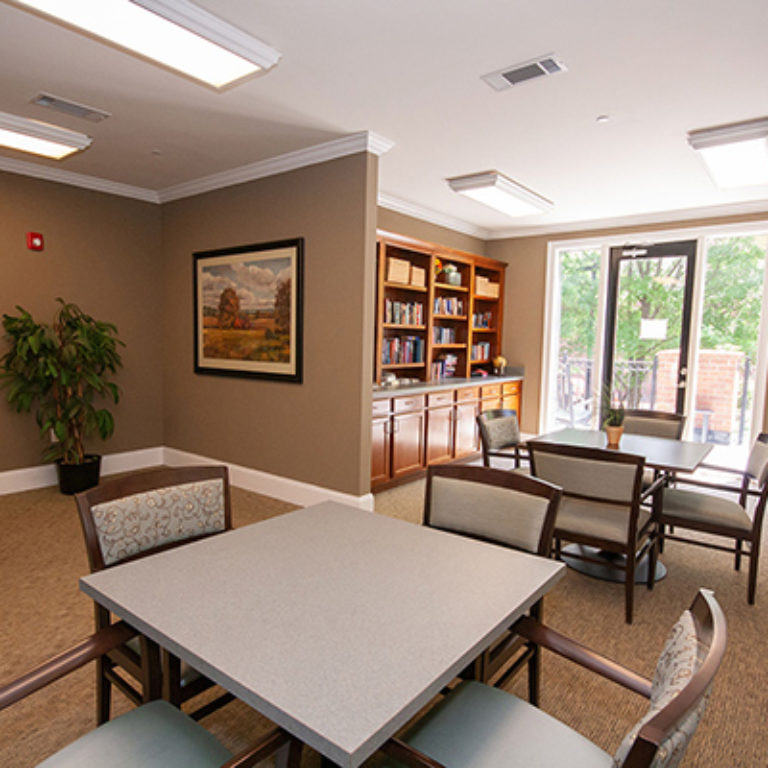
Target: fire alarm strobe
34	241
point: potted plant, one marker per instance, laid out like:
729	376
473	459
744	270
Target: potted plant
62	370
613	422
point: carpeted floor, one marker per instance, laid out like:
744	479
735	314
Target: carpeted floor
42	612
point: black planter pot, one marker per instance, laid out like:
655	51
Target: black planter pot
74	478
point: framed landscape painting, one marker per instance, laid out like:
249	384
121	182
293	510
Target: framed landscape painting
248	310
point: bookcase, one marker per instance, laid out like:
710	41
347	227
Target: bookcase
438	310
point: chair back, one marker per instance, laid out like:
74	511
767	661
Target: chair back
757	464
493	505
654	423
681	685
594	474
147	512
498	428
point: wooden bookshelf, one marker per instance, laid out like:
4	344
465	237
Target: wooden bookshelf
447	327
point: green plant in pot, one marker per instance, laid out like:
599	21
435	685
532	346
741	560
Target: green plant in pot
63	370
613	419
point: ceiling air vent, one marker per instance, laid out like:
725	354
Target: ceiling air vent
70	107
523	72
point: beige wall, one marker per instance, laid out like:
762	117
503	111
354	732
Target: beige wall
400	224
525	296
318	431
101	252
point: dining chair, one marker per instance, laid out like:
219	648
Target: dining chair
505	508
500	435
485	727
134	516
654	423
602	508
154	735
711	511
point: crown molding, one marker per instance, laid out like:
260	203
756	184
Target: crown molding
398	205
636	220
364	141
61	176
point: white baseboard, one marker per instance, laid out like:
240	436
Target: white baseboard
283	488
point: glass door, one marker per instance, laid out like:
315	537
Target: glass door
645	356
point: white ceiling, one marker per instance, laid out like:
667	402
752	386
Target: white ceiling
409	71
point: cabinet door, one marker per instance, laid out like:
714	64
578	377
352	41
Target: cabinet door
380	451
465	439
439	434
512	396
407	443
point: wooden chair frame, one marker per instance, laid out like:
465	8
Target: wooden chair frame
102	643
140	666
712	632
744	491
517	453
658	415
494	664
640	541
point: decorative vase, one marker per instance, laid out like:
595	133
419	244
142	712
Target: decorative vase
614	435
74	478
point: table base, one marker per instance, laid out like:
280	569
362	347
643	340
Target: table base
607	572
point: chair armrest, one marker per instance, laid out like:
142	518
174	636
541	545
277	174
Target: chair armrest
408	755
659	482
263	748
91	648
580	654
707	484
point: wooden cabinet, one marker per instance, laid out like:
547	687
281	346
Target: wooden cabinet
438	310
410	432
439	427
512	396
407	435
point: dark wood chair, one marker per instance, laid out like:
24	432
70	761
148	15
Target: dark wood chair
485	727
601	508
714	510
500	435
155	735
501	507
134	516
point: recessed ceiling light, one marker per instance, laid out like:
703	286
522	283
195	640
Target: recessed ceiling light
175	33
498	191
38	138
602	118
736	155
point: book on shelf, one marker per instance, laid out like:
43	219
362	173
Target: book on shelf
444	366
402	350
481	350
403	312
448	306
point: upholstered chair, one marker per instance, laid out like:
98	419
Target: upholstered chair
137	515
505	508
723	510
485	727
500	435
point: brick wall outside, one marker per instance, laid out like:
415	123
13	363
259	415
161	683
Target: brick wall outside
718	390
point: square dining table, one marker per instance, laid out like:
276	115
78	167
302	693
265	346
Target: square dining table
337	624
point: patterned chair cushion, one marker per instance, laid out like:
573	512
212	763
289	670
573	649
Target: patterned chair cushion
681	657
502	432
134	524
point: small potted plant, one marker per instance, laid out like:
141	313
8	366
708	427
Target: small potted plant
613	422
61	370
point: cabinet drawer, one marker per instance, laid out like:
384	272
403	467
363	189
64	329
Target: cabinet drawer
512	388
463	395
380	408
405	404
439	398
491	391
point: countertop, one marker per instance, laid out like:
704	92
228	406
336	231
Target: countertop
380	392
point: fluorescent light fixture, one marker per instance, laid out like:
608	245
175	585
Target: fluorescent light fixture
736	155
497	191
175	33
39	138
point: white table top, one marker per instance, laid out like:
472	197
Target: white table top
659	452
337	624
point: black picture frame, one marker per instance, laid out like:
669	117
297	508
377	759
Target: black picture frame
249	310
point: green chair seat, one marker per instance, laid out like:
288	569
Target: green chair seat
155	735
478	726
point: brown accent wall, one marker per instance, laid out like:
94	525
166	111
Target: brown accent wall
525	296
400	224
102	252
318	431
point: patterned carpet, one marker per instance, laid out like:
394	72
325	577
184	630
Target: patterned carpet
42	612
